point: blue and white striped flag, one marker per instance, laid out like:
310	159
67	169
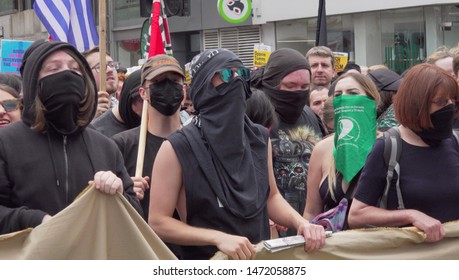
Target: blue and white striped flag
68	21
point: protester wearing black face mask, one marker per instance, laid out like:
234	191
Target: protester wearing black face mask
428	162
162	85
166	95
48	158
286	80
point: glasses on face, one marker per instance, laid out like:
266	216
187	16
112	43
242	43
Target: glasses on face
10	104
228	74
442	102
113	64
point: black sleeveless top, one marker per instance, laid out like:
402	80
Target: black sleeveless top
326	196
203	208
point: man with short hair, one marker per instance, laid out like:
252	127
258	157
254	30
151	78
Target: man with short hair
317	99
443	58
322	64
162	85
106	99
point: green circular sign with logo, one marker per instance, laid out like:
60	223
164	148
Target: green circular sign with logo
145	39
235	11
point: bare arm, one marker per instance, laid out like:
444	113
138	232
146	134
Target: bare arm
362	214
166	186
282	213
317	164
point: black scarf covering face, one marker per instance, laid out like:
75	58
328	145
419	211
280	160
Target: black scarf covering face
30	68
288	104
230	149
61	94
442	121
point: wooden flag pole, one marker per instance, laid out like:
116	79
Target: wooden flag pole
142	140
102	44
144	120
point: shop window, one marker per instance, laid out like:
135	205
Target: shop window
9	7
300	34
403	38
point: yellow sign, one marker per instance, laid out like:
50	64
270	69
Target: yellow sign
261	55
187	73
340	61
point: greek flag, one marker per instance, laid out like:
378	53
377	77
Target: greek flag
68	21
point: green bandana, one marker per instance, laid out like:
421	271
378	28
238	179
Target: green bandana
355	132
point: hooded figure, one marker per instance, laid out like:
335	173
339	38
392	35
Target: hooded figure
224	156
129	93
49	157
122	116
299	127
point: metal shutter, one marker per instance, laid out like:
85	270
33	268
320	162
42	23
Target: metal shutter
239	40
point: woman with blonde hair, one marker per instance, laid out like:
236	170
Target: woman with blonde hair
330	174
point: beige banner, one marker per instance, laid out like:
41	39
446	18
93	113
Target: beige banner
95	226
373	244
100	226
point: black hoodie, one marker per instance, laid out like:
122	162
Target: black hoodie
43	172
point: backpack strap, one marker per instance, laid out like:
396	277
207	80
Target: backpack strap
392	152
456	136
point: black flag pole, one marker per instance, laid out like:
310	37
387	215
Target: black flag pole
321	32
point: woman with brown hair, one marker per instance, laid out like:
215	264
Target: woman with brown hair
10	109
48	158
425	106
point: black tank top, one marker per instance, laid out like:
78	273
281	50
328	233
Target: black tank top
339	194
203	208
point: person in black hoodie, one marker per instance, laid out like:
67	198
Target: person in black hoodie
126	114
49	157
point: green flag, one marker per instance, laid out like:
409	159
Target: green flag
355	132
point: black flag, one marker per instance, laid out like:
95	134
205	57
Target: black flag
321	32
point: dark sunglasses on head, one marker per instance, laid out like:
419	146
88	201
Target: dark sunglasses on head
228	74
10	105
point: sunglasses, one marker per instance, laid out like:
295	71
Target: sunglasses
10	105
228	74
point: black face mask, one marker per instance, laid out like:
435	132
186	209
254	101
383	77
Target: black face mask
166	96
288	104
61	94
442	121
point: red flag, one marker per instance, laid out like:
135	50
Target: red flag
160	42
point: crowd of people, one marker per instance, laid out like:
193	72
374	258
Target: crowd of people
238	155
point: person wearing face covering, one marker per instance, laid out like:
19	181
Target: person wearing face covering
162	85
336	161
217	171
286	80
49	157
126	114
425	106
